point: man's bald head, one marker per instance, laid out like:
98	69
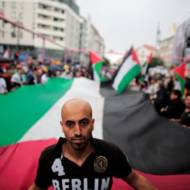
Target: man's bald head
77	124
74	104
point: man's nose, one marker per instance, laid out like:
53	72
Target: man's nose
77	129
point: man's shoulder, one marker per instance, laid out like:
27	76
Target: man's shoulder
54	149
105	146
49	149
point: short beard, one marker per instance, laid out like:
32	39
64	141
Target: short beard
80	147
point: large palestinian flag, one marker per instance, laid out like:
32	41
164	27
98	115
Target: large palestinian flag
29	121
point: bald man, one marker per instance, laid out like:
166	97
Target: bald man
81	162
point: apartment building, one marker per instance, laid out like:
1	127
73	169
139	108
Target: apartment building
96	40
145	51
50	24
91	38
167	50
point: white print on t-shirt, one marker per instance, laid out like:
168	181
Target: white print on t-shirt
58	167
81	184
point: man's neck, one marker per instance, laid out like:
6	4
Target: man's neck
77	156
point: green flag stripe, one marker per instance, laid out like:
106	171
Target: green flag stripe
182	82
128	77
26	105
97	68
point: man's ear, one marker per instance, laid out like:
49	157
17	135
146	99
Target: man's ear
93	120
62	128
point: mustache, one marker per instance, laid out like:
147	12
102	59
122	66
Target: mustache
78	137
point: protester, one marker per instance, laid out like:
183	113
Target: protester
185	117
3	86
3	83
175	107
44	77
80	161
16	79
162	97
30	75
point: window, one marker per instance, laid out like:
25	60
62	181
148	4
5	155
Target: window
57	10
42	16
56	28
42	6
58	19
13	34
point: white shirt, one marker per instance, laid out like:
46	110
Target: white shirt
3	86
44	78
16	78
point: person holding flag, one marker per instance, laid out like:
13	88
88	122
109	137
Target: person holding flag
80	161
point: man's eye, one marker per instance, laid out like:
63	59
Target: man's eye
70	124
84	122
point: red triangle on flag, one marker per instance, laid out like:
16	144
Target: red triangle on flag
94	58
180	70
149	58
134	57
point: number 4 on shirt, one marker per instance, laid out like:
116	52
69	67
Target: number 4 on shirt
57	167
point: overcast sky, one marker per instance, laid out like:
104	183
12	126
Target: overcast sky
123	23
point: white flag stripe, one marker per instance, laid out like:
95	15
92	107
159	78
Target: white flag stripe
95	74
48	126
127	66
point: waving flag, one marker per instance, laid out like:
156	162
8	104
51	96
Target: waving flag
97	64
30	121
129	69
180	75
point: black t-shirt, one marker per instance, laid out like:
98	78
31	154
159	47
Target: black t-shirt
95	173
185	118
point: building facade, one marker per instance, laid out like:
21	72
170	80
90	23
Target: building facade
145	51
49	24
90	37
166	50
54	25
90	40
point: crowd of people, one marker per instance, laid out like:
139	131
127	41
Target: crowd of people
162	88
17	74
167	96
31	71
